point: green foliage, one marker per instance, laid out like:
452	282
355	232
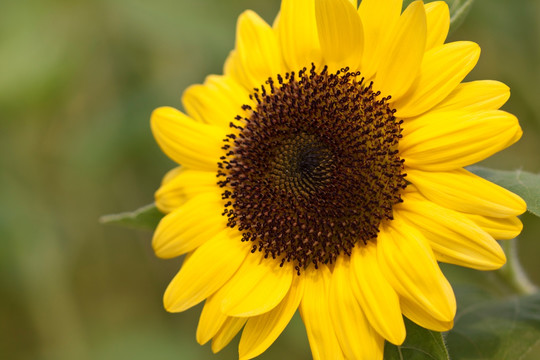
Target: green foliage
523	183
420	344
146	217
497	330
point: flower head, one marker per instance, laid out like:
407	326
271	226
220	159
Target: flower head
325	171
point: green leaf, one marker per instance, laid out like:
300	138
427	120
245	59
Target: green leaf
420	344
146	217
497	330
523	183
492	322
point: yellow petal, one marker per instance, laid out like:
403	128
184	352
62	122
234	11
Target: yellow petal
314	309
376	296
258	51
475	96
357	338
499	228
189	226
183	185
228	331
205	271
378	17
211	320
217	102
407	262
261	331
258	286
438	23
340	33
171	174
407	43
417	313
453	237
463	191
297	34
443	68
174	200
185	141
447	141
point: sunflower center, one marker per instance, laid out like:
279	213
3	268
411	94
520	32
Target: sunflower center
314	168
301	166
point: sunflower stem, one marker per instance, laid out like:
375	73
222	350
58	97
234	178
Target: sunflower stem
512	273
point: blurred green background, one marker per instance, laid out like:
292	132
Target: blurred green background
78	80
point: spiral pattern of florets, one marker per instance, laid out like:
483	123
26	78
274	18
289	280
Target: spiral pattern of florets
314	168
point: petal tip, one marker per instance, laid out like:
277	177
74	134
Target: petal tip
169	303
398	336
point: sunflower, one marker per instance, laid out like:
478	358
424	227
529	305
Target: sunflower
324	171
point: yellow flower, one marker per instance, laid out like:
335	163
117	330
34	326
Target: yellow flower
324	171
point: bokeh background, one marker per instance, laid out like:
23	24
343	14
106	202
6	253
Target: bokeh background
78	80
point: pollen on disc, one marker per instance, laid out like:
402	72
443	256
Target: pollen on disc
314	168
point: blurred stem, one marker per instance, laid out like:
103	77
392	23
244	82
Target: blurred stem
512	273
458	12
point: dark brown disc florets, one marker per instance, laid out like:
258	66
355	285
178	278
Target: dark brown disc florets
314	168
